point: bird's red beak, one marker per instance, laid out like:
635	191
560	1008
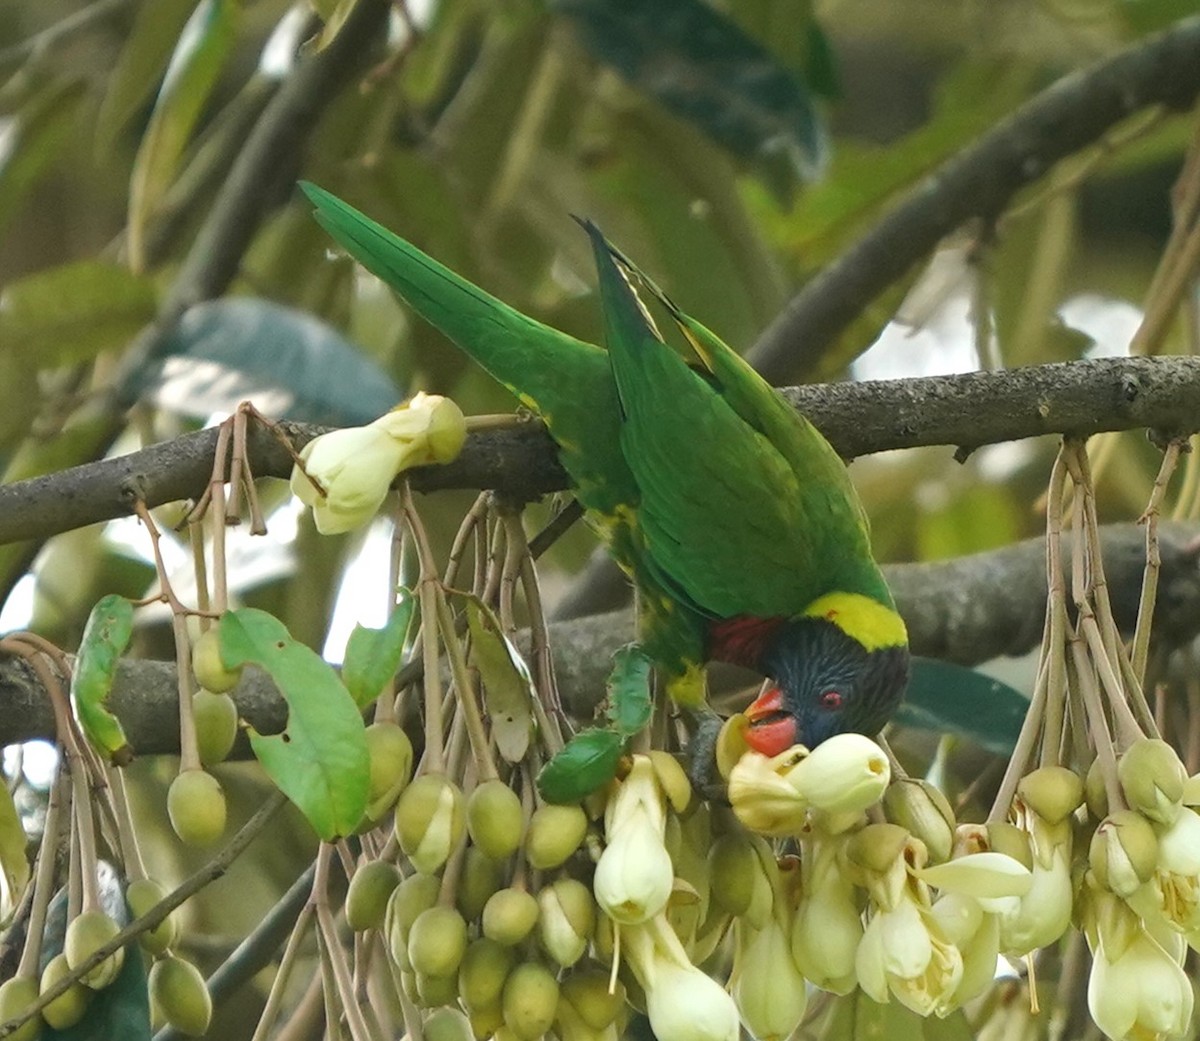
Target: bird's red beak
772	728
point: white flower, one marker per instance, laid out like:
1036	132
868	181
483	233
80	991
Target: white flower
682	1003
762	796
1142	994
904	954
1177	880
976	934
357	465
827	927
634	876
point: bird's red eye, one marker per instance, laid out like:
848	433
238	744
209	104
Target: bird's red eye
831	699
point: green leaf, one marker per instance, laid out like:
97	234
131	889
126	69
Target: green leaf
68	314
42	128
105	637
705	69
588	761
508	688
320	761
144	56
948	698
373	655
199	55
629	700
13	861
312	372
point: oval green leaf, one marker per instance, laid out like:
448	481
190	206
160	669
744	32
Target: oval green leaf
373	655
105	637
320	760
588	762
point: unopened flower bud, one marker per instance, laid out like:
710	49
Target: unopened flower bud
447	1024
555	833
1124	852
437	942
530	999
1096	791
566	920
1052	792
762	797
770	993
391	756
734	870
481	974
1152	778
672	779
509	916
924	810
494	819
355	466
430	821
846	774
481	877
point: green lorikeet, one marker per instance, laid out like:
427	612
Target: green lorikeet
734	517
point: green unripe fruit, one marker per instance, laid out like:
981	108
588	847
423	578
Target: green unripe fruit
530	999
588	995
141	895
437	942
555	832
448	1024
733	868
86	933
915	804
509	916
494	819
207	664
370	890
487	1022
68	1008
481	975
431	818
481	877
16	995
196	806
178	995
1052	792
216	717
391	755
433	991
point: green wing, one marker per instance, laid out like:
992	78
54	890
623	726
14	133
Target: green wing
566	381
744	508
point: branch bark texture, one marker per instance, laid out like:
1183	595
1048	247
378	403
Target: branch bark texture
968	610
1072	398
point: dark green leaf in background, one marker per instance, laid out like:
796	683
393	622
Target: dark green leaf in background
629	700
298	367
952	699
705	69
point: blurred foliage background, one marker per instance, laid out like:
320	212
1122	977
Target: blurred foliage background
731	147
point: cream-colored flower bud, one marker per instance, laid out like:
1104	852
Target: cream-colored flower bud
980	875
566	920
1142	994
634	875
1124	852
846	774
924	810
827	927
1152	778
762	797
767	986
431	820
1053	792
356	466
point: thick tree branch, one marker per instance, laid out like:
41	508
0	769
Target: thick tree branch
1076	398
979	182
967	610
